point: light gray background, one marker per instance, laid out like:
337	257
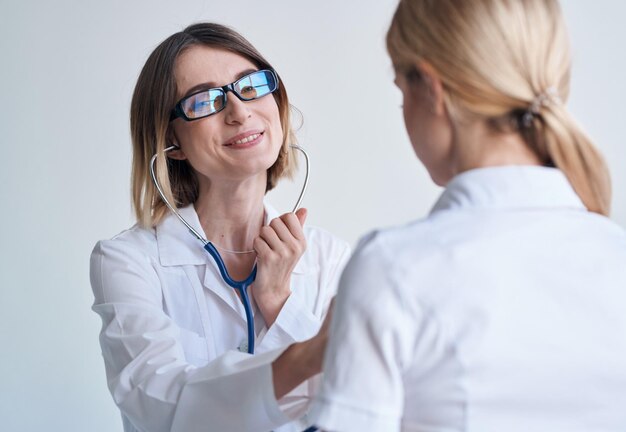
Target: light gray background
67	73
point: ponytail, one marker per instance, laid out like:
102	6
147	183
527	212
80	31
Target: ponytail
569	149
528	41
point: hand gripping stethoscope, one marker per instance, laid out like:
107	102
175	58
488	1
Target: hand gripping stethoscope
240	286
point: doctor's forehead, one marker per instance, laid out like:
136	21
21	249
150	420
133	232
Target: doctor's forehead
201	65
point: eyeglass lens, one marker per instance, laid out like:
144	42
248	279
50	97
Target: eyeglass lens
250	87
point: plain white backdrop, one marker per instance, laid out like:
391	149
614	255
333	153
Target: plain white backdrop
67	73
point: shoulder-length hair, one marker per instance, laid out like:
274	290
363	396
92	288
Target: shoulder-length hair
153	100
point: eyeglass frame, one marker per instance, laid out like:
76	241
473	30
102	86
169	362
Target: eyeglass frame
178	111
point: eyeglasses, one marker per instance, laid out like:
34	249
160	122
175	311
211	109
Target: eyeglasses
204	103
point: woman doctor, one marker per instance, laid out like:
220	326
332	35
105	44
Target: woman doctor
503	309
174	336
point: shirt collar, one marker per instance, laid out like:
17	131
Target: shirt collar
509	187
178	246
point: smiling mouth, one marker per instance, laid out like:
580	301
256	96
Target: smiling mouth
246	141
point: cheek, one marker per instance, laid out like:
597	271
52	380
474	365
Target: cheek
197	140
188	132
431	144
417	124
412	121
275	126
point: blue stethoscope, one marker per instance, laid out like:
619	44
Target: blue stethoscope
242	285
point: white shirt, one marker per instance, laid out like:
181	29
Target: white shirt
173	331
503	310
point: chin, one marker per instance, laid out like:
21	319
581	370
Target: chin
440	179
258	166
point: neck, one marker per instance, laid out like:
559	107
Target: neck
477	146
231	213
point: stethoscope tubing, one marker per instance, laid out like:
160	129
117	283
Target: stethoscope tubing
242	285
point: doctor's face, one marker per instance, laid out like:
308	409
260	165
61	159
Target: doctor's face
428	130
239	142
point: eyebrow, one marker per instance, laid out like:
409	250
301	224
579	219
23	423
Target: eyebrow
211	84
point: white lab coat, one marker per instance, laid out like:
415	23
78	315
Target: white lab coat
173	332
503	310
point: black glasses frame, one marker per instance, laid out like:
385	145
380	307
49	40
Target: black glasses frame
178	108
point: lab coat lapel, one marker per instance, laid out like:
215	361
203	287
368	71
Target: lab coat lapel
178	247
176	244
214	283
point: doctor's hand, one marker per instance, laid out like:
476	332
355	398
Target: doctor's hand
279	247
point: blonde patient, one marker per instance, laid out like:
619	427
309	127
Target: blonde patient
503	308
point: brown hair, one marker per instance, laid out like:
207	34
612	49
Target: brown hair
153	100
495	58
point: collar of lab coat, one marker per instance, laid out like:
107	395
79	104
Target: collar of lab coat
513	187
177	246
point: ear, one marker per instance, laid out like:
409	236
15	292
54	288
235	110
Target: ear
176	153
432	80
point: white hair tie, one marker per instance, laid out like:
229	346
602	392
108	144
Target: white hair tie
545	98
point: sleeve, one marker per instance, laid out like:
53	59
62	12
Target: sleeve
371	342
303	313
147	374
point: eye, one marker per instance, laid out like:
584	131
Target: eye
218	103
203	103
200	104
249	92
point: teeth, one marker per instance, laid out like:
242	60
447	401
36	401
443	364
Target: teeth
247	139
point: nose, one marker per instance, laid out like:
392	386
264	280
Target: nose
236	110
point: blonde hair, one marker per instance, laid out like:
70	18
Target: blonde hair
153	100
495	58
